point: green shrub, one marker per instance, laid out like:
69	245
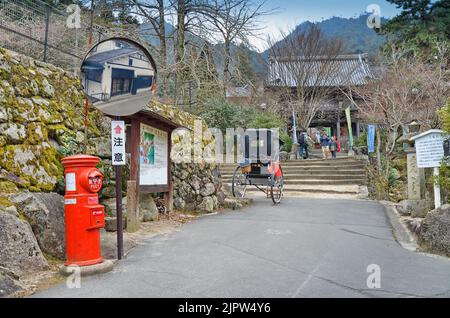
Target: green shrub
287	142
218	113
361	141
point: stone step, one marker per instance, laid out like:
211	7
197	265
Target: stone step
317	164
335	189
318	170
300	178
321	182
302	194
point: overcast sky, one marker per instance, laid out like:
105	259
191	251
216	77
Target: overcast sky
290	13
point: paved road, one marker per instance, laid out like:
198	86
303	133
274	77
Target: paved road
302	248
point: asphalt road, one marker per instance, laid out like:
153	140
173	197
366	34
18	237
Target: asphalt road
302	248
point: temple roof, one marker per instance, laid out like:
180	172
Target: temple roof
342	70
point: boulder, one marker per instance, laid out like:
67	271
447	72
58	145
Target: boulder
14	133
221	196
179	203
208	189
414	208
434	233
110	206
231	203
4	115
111	223
9	283
11	210
45	212
148	208
20	251
39	165
195	183
100	147
207	205
47	89
284	155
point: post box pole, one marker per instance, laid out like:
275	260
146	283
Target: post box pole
119	220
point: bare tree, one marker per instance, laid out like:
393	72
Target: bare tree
154	11
302	70
234	20
406	89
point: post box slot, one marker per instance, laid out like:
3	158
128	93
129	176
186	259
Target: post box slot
97	216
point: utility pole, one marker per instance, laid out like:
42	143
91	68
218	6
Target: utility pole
86	110
91	26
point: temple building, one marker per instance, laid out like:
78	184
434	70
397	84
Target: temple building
347	70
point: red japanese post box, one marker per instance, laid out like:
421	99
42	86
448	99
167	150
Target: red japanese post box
83	214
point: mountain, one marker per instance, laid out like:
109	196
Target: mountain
147	31
357	37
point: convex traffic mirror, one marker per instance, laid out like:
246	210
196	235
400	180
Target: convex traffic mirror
119	76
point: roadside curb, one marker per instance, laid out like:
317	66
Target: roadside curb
401	233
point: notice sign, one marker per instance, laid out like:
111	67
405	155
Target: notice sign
118	142
429	149
153	158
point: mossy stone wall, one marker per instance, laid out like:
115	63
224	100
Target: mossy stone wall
41	120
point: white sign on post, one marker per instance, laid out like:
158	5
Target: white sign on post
118	142
430	152
429	148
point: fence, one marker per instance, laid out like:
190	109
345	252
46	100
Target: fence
41	31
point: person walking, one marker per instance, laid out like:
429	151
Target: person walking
333	147
325	143
303	143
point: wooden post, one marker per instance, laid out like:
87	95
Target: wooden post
132	207
118	173
133	185
168	196
338	129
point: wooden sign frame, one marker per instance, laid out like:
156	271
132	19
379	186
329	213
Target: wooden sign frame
161	123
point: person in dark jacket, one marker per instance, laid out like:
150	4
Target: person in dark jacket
333	147
303	145
325	143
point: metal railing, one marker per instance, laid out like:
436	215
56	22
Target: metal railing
42	31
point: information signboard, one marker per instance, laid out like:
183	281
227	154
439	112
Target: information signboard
153	156
429	148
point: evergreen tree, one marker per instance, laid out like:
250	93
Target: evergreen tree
420	24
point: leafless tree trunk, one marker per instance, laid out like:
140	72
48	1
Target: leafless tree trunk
232	20
406	90
155	13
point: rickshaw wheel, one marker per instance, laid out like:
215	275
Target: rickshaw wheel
276	190
239	183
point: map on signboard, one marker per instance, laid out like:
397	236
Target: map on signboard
153	156
429	148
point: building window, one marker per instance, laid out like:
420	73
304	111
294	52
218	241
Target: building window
130	62
120	86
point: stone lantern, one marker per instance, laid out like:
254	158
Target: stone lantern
415	204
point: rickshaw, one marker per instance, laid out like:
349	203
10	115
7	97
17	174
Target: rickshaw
260	166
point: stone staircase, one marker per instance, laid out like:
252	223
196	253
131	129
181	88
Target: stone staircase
341	177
